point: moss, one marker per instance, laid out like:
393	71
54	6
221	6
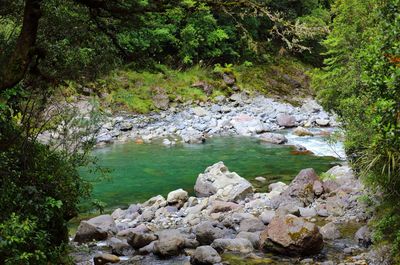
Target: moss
234	259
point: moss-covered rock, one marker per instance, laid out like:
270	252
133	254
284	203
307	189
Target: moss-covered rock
291	235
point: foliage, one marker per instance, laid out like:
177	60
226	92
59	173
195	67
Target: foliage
40	184
361	82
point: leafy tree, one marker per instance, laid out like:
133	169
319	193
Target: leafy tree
361	82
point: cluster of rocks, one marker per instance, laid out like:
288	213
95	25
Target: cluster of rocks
239	114
299	222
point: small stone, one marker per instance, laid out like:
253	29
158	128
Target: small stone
330	231
261	179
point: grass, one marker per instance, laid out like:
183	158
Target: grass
283	78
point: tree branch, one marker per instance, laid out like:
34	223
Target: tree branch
13	68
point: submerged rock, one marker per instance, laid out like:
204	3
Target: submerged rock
217	178
241	245
291	235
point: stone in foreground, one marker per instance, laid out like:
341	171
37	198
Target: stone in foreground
229	185
205	255
292	236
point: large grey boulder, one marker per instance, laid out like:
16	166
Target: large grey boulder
291	235
228	186
98	228
205	255
253	237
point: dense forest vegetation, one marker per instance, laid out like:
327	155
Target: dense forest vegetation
57	47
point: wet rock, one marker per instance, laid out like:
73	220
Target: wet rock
205	255
286	120
363	236
241	245
217	178
98	228
300	131
330	231
103	258
120	247
273	138
251	225
291	235
177	198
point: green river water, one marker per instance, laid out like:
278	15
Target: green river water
140	171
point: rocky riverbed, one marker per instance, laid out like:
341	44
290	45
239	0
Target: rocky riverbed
240	114
312	220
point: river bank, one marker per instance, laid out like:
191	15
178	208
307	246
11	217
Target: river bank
311	221
238	115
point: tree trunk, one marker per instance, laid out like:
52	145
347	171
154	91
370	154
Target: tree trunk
14	67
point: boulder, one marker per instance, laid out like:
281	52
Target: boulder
241	245
207	232
169	243
229	185
199	111
273	138
277	186
300	131
246	125
104	258
177	198
307	212
160	98
301	188
291	235
286	120
138	240
98	228
253	237
363	236
120	247
222	206
205	255
322	122
267	216
318	188
330	231
251	225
